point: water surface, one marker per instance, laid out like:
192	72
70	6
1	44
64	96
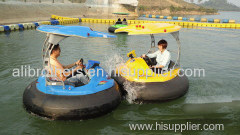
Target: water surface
211	99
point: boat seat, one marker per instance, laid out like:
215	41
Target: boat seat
171	65
118	22
53	82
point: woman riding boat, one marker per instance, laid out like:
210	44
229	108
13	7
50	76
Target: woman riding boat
166	85
162	56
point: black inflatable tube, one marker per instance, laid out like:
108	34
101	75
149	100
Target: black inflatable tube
59	107
157	91
111	29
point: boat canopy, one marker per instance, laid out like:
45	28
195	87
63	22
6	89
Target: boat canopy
149	28
56	34
59	32
154	28
120	13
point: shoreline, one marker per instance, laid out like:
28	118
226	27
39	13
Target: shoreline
19	12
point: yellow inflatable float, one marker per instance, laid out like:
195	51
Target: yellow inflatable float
157	87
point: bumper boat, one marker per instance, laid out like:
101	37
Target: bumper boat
119	23
58	100
156	87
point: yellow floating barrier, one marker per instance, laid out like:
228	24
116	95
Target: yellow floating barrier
53	16
161	17
83	19
185	23
153	16
103	21
94	20
179	18
98	20
227	25
204	20
169	17
195	24
232	21
88	19
238	26
1	28
46	22
208	24
218	25
108	21
112	21
216	20
175	23
222	25
233	26
191	19
190	23
131	21
214	25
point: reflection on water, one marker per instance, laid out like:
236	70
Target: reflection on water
211	99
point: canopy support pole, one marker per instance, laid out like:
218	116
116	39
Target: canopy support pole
176	36
152	41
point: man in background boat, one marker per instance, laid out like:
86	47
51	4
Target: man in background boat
60	70
162	56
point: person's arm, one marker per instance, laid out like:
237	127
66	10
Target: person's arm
153	55
64	74
72	65
69	66
158	66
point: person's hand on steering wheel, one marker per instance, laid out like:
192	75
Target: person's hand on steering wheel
78	62
143	56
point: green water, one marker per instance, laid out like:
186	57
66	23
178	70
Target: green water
214	98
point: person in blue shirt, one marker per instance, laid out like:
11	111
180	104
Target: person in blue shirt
162	56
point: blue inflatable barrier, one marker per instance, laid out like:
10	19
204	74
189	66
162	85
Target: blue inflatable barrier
150	16
165	17
54	22
20	26
175	18
157	16
143	15
197	19
36	24
225	21
185	19
6	28
211	20
57	22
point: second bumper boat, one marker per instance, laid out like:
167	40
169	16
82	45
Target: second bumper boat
156	87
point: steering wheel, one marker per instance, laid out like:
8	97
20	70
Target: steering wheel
148	61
